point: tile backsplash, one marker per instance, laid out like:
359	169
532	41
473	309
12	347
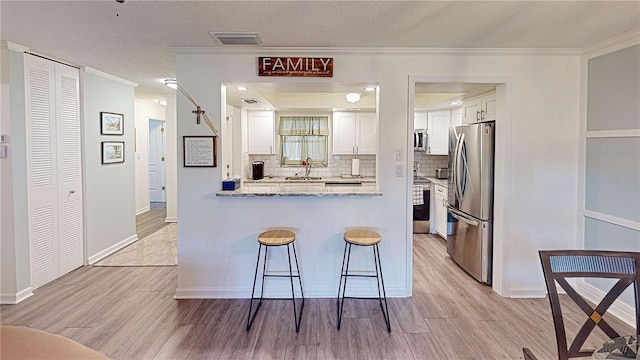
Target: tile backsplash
427	164
337	165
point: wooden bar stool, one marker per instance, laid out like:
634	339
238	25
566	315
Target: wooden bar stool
362	237
278	237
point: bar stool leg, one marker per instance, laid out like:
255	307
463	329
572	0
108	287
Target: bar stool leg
344	289
255	277
293	295
385	314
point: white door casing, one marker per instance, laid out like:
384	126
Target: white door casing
156	162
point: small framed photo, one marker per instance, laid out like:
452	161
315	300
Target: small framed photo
200	151
111	123
112	152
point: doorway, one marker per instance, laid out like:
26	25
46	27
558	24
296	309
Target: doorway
156	161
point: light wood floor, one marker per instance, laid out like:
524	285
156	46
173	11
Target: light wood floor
151	221
129	313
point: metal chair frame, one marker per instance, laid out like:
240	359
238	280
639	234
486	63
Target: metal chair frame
560	265
344	273
291	275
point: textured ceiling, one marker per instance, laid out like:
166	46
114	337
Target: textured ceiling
132	39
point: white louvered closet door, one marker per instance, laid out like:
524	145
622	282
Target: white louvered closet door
53	169
69	168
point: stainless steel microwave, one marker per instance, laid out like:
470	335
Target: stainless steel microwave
420	140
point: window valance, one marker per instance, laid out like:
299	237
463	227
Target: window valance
304	125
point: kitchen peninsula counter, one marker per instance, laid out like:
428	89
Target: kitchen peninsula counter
324	187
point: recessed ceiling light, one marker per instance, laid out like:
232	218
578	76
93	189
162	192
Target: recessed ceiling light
370	88
242	88
237	38
455	103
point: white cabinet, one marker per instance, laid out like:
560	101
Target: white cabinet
440	211
456	117
482	108
438	130
354	133
260	132
420	121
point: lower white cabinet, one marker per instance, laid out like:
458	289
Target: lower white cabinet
440	211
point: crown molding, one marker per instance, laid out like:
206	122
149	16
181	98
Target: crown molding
14	47
376	51
104	75
610	45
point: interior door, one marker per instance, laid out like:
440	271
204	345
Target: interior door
156	161
69	169
41	170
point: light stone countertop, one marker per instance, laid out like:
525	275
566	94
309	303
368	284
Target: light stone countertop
323	187
322	180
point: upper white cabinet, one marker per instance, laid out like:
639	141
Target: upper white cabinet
354	133
438	130
261	132
420	121
456	117
482	108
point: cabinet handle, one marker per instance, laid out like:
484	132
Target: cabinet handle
477	115
481	114
270	149
357	150
72	192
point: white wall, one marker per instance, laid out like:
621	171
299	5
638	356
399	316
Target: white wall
217	237
109	192
15	280
144	111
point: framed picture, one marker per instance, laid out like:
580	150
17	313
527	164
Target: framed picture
200	151
111	123
112	152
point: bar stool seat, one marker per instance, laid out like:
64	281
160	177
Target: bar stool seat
276	237
362	237
268	239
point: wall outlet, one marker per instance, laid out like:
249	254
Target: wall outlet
3	138
399	171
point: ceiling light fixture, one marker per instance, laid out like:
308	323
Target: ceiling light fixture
242	88
370	88
172	83
353	97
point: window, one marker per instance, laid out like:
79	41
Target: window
303	137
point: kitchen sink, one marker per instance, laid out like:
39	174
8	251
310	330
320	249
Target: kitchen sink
303	178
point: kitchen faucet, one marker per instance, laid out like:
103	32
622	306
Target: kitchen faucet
307	167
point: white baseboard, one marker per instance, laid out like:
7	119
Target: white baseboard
12	299
619	309
143	210
111	249
171	219
527	293
245	293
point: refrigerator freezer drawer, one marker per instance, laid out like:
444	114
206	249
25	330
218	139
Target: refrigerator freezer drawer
470	246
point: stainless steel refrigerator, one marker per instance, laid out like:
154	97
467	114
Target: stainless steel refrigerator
470	197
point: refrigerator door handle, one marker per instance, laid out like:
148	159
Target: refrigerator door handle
459	173
462	218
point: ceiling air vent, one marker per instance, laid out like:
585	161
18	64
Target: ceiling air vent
251	101
237	38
